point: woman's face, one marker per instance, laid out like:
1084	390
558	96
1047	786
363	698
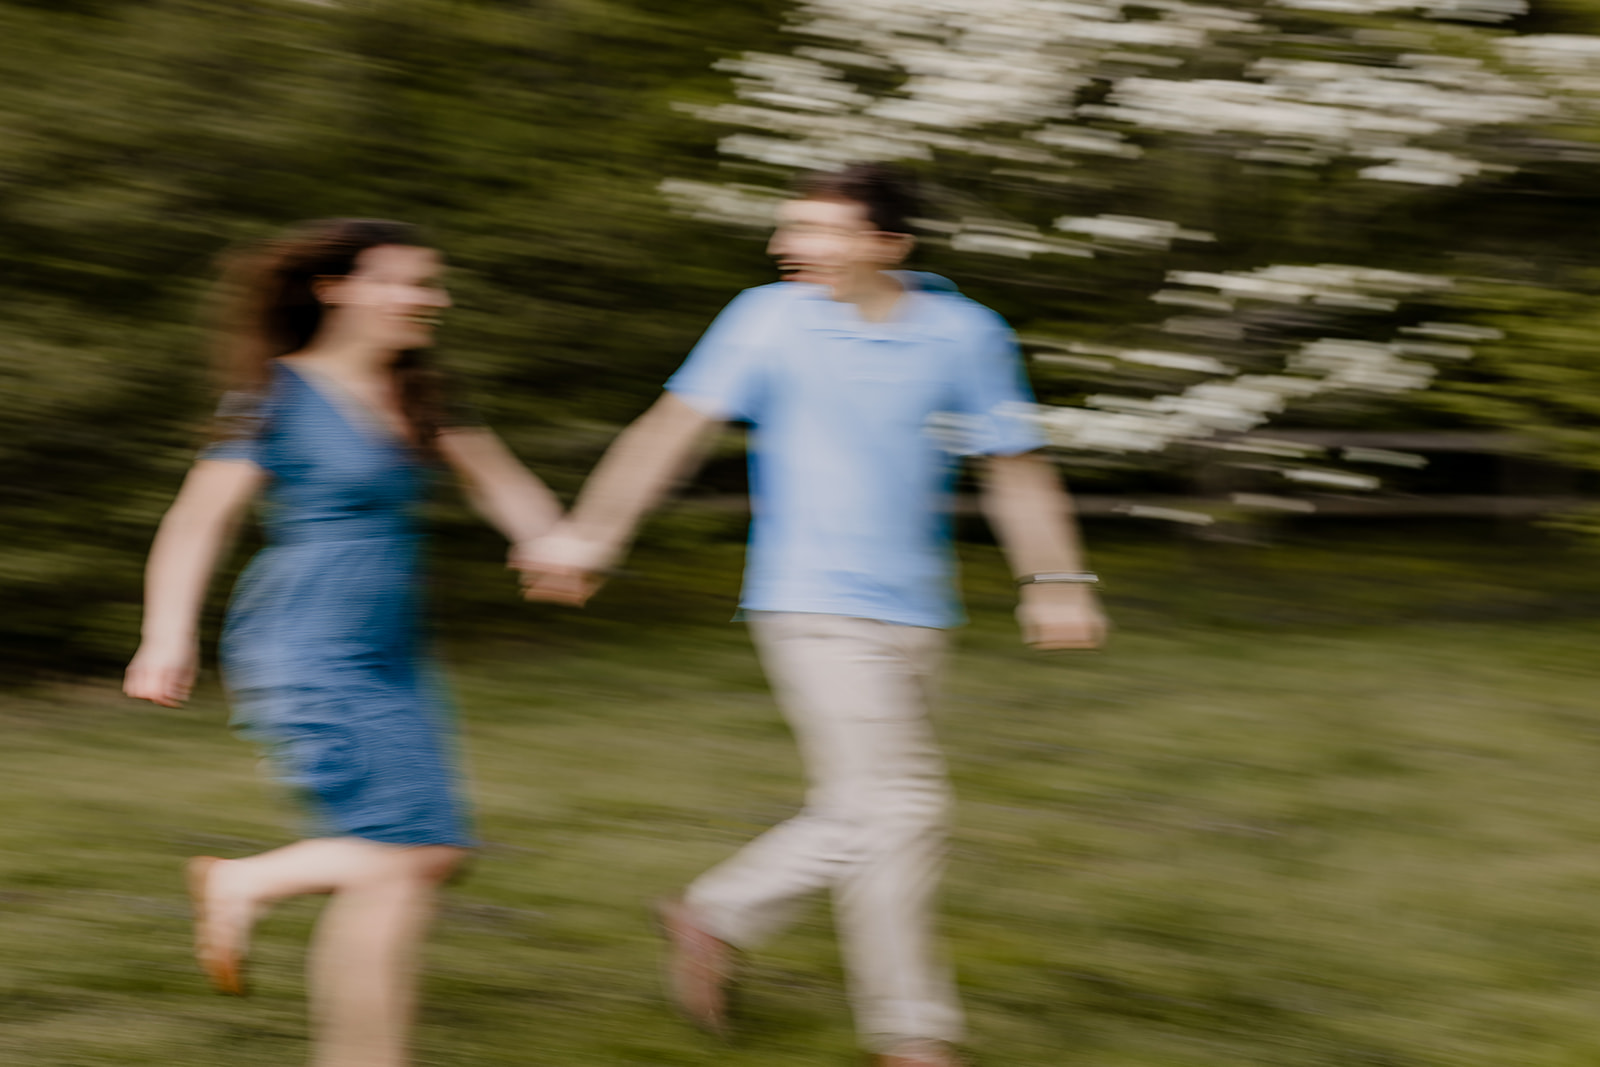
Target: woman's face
392	299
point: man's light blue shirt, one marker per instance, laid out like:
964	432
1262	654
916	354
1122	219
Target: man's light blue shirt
855	430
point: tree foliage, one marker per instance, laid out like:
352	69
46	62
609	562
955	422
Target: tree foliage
1207	219
144	138
565	154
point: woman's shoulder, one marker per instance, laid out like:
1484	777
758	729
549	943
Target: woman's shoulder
249	412
256	401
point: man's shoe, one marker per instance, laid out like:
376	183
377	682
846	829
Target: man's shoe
920	1054
699	967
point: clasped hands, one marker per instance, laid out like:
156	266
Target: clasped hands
562	567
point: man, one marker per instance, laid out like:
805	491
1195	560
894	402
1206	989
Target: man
853	378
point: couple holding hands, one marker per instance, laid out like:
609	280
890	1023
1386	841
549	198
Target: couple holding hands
861	384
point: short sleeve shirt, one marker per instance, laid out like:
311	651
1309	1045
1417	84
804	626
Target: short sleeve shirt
855	429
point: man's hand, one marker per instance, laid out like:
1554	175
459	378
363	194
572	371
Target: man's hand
1060	616
560	568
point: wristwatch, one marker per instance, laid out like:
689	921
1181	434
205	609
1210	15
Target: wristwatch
1061	577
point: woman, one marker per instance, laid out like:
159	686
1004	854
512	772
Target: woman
337	419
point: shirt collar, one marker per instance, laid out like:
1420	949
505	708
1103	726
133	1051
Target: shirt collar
918	316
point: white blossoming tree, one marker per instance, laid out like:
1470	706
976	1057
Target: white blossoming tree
1282	181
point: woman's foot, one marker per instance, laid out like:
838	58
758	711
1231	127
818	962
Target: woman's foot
222	921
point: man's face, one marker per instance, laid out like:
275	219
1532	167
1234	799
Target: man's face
830	242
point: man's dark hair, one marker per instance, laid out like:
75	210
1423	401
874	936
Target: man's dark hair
888	193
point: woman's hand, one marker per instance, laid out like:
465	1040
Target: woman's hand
162	673
560	568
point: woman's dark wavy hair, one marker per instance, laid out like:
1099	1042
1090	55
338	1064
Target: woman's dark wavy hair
269	308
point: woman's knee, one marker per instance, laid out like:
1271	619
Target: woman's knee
436	863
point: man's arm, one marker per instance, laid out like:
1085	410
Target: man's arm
639	468
1031	515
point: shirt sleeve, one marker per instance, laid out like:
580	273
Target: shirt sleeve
994	397
238	429
724	376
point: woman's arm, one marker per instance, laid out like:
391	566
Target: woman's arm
182	557
499	487
660	447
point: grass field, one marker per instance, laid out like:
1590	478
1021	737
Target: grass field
1316	805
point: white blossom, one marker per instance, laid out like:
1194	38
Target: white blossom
999	82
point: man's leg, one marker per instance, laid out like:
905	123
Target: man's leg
884	905
855	692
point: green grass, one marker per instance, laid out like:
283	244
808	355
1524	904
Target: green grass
1317	805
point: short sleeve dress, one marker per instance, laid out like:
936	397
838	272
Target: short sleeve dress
322	651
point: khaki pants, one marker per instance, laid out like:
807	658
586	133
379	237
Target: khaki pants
856	693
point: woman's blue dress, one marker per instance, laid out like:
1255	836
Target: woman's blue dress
322	649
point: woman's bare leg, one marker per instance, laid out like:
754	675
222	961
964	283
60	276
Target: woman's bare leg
235	893
363	962
362	968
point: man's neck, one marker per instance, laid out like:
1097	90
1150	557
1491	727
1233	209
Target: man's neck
876	294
